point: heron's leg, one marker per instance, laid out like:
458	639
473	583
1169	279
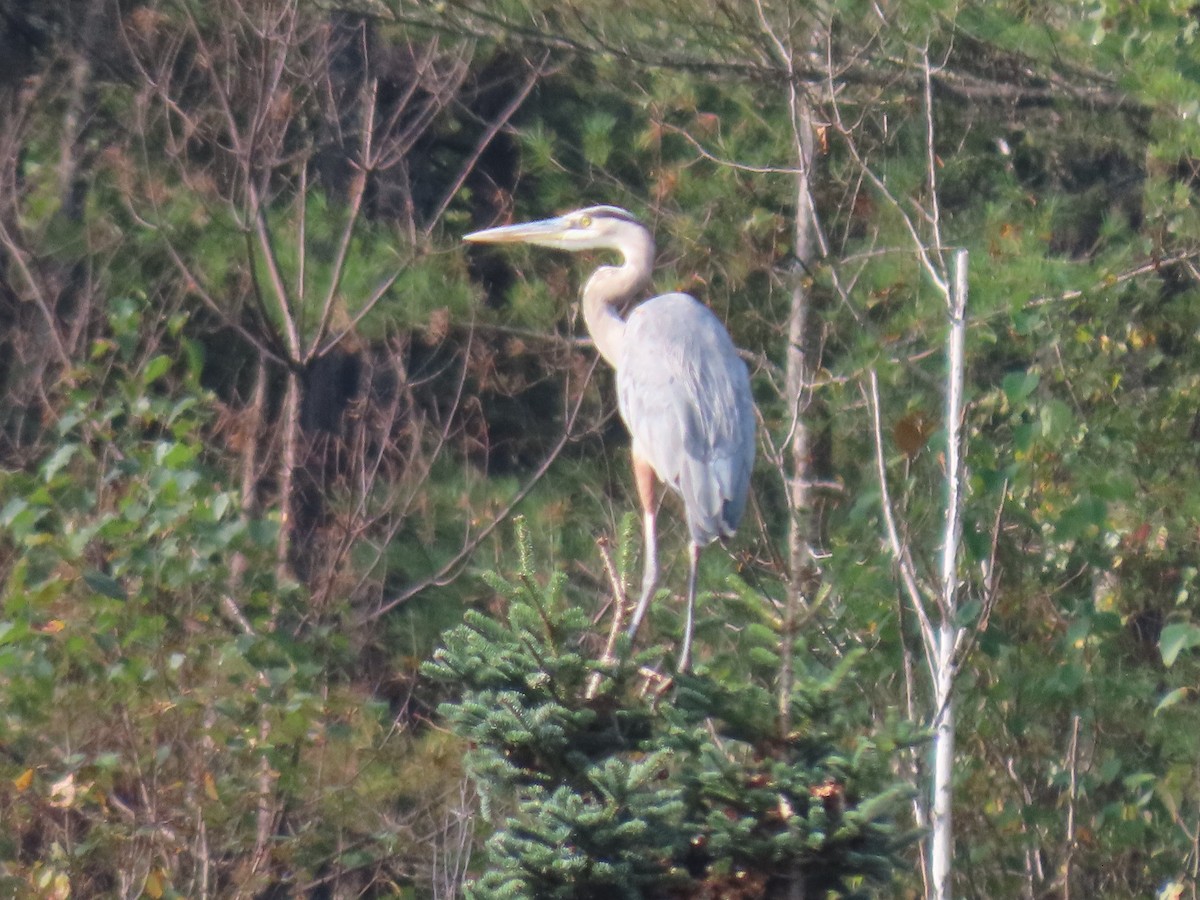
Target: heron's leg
645	478
685	655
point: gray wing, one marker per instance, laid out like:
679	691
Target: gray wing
685	396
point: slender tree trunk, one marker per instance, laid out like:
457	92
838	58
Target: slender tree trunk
289	417
79	77
796	384
251	435
1072	798
942	852
289	422
797	380
945	662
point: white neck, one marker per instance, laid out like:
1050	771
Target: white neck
610	289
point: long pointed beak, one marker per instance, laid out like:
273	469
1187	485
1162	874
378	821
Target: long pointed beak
523	233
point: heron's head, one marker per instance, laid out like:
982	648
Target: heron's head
593	228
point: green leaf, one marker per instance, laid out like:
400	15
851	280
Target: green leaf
1085	517
55	463
1017	386
1172	698
1177	637
1078	632
156	368
104	585
11	510
1056	420
195	357
174	455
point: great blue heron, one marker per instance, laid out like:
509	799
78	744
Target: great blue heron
681	388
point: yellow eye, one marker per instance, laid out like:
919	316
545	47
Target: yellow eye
585	221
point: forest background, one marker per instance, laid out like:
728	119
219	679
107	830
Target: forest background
265	423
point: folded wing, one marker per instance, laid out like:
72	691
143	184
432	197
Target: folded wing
685	396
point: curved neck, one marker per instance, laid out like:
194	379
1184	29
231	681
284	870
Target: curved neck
610	289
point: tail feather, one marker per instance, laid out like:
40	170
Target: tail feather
713	497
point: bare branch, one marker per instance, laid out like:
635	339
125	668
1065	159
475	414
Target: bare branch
732	56
283	300
358	184
723	161
920	248
17	253
931	161
1186	258
899	553
620	604
485	140
448	571
955	472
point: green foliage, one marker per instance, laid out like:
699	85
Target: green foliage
1176	638
624	792
159	696
139	712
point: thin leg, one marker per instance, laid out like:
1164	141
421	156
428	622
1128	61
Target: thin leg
685	656
643	474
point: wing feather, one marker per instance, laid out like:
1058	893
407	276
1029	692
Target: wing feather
685	396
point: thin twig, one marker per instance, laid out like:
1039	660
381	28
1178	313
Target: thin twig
899	553
486	139
1073	760
449	570
620	607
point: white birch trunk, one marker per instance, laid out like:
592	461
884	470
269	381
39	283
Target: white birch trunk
941	855
796	384
942	851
